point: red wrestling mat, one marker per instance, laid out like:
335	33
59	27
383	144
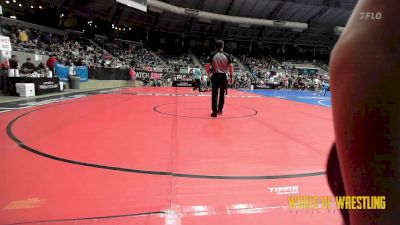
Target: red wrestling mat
155	156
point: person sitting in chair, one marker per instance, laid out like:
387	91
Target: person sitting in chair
28	66
41	68
146	82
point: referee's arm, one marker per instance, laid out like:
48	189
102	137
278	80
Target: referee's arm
230	73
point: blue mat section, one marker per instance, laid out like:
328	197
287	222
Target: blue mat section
309	97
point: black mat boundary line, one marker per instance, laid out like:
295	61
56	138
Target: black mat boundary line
129	170
255	112
89	218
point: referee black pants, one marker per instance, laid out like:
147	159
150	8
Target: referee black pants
219	85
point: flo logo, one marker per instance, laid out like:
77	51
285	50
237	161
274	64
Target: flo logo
284	190
370	15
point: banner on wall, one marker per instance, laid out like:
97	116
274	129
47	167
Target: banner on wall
63	72
143	74
266	86
180	83
307	71
101	73
83	73
5	44
182	77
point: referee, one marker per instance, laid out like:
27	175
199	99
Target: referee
219	63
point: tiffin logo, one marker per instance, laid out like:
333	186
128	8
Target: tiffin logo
284	190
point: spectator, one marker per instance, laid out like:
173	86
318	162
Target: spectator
13	62
23	36
80	62
51	62
5	64
28	66
72	70
40	68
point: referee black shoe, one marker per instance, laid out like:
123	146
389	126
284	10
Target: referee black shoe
213	114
